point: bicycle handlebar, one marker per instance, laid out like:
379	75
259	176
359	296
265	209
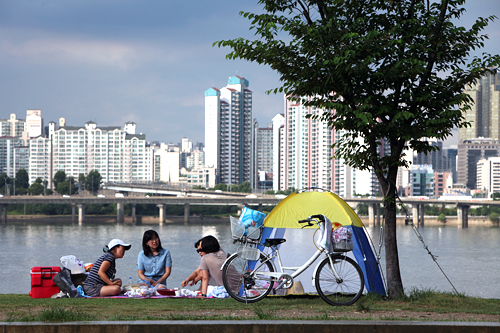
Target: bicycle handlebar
318	216
312	218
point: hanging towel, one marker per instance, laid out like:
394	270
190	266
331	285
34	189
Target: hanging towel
325	239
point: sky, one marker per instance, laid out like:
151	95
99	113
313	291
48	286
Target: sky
147	61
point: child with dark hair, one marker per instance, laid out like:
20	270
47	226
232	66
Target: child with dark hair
101	281
154	263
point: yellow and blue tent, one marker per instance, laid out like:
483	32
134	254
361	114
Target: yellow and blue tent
298	206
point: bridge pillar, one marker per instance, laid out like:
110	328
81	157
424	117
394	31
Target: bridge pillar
3	212
421	218
414	213
186	213
73	212
81	214
463	215
260	207
377	214
119	213
161	213
371	213
134	220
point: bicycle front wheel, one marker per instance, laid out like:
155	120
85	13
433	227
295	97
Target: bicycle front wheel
341	284
247	281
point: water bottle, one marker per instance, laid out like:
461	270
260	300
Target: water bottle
130	281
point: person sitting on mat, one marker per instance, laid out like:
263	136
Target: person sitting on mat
101	281
154	263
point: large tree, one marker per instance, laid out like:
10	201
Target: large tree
93	181
59	177
22	179
387	72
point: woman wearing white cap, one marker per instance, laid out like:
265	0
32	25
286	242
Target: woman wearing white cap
100	281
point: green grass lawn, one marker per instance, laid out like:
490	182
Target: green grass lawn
418	305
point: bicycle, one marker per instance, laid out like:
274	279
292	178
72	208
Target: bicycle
250	274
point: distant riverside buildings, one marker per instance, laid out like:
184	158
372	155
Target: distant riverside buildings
290	152
229	131
118	155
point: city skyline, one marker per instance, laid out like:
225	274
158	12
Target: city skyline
148	63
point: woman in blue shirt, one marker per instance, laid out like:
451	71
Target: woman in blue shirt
154	263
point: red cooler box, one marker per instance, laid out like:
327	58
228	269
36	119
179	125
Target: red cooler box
42	285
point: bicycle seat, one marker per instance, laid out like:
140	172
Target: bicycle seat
274	241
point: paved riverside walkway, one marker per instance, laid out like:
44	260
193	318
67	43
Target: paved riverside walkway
251	326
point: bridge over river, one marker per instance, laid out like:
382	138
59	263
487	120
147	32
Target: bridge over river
224	198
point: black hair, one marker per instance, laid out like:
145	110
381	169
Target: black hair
148	235
209	244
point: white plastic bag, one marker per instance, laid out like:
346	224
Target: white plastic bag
73	264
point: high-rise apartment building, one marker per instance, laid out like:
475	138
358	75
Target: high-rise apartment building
488	175
435	158
306	155
278	128
303	155
12	126
228	131
166	163
186	145
40	161
443	181
117	155
12	155
31	127
263	159
196	160
422	180
484	116
34	123
469	154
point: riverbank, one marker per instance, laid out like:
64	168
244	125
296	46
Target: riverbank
418	305
451	221
103	219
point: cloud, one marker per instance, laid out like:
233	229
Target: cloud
73	51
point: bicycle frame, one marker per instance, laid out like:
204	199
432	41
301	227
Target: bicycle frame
280	272
281	269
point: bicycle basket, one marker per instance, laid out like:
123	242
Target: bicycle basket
254	233
248	253
237	228
343	245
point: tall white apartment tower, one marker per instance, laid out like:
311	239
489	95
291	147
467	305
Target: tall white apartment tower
306	157
228	131
278	122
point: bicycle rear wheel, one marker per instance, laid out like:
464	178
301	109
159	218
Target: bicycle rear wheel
247	281
342	285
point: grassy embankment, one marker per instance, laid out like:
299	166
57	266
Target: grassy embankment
418	305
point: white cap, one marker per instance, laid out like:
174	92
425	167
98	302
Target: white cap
115	242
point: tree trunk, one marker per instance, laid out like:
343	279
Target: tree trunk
394	282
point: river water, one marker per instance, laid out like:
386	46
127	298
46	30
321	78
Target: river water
470	257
